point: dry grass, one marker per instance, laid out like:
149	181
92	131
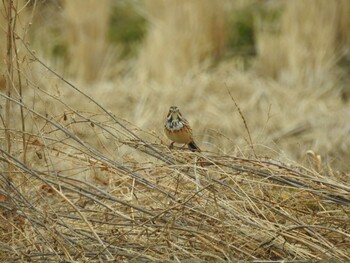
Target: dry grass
72	201
89	176
315	41
85	36
179	39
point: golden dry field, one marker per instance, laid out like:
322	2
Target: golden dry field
87	174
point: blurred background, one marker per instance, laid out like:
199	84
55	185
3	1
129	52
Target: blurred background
285	63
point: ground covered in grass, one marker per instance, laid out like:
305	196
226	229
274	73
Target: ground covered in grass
86	172
143	202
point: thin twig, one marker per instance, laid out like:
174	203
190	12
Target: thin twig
244	121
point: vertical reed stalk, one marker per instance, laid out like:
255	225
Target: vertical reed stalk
9	76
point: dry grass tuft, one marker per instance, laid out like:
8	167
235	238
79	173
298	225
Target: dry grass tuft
179	40
306	46
85	36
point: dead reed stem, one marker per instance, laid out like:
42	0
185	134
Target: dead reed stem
9	76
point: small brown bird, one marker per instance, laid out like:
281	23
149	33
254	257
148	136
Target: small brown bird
178	129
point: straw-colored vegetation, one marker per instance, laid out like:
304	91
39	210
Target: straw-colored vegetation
86	172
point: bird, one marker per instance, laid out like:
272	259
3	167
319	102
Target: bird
178	129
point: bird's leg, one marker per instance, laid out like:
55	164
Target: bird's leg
171	146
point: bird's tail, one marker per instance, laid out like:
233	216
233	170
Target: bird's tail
193	147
